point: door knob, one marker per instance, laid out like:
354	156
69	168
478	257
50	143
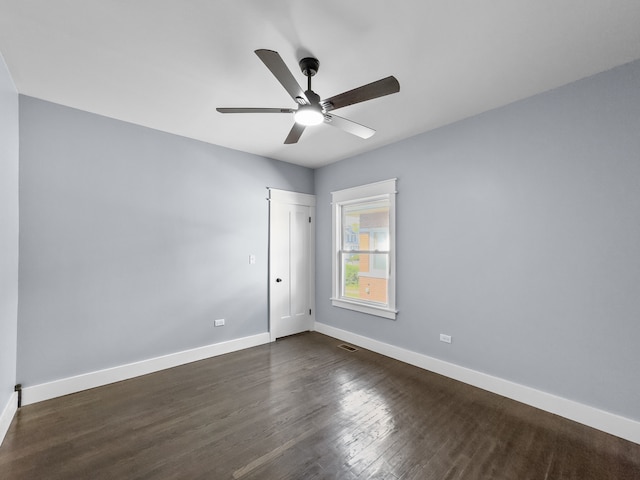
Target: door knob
278	280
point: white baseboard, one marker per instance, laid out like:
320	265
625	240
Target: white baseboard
593	417
65	386
7	415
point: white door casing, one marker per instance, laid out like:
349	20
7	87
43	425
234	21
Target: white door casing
291	263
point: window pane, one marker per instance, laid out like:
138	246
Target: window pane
365	226
350	275
379	264
365	277
380	240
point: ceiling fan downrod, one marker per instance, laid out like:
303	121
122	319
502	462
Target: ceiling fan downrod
309	67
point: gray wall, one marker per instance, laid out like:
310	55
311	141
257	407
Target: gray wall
133	241
519	235
8	233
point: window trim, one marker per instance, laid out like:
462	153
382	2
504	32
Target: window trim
363	193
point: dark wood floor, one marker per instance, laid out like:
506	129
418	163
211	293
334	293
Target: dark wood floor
302	408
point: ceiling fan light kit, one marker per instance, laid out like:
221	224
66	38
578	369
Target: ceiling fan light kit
311	109
309	115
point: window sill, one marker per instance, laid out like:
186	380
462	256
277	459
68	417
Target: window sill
370	309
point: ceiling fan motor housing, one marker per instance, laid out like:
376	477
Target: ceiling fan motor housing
309	66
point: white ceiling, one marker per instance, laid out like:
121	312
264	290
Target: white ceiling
168	64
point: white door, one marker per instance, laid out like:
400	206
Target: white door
290	263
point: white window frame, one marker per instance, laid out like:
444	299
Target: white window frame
364	193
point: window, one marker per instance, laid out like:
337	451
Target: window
364	248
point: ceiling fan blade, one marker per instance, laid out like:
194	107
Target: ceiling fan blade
348	126
383	87
255	110
274	62
294	134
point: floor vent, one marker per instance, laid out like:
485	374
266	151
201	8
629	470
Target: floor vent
348	348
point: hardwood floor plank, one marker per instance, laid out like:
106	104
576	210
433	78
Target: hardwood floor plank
302	408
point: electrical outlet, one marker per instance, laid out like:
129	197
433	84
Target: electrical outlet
445	338
219	322
252	259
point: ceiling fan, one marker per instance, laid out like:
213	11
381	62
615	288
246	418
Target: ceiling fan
311	110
